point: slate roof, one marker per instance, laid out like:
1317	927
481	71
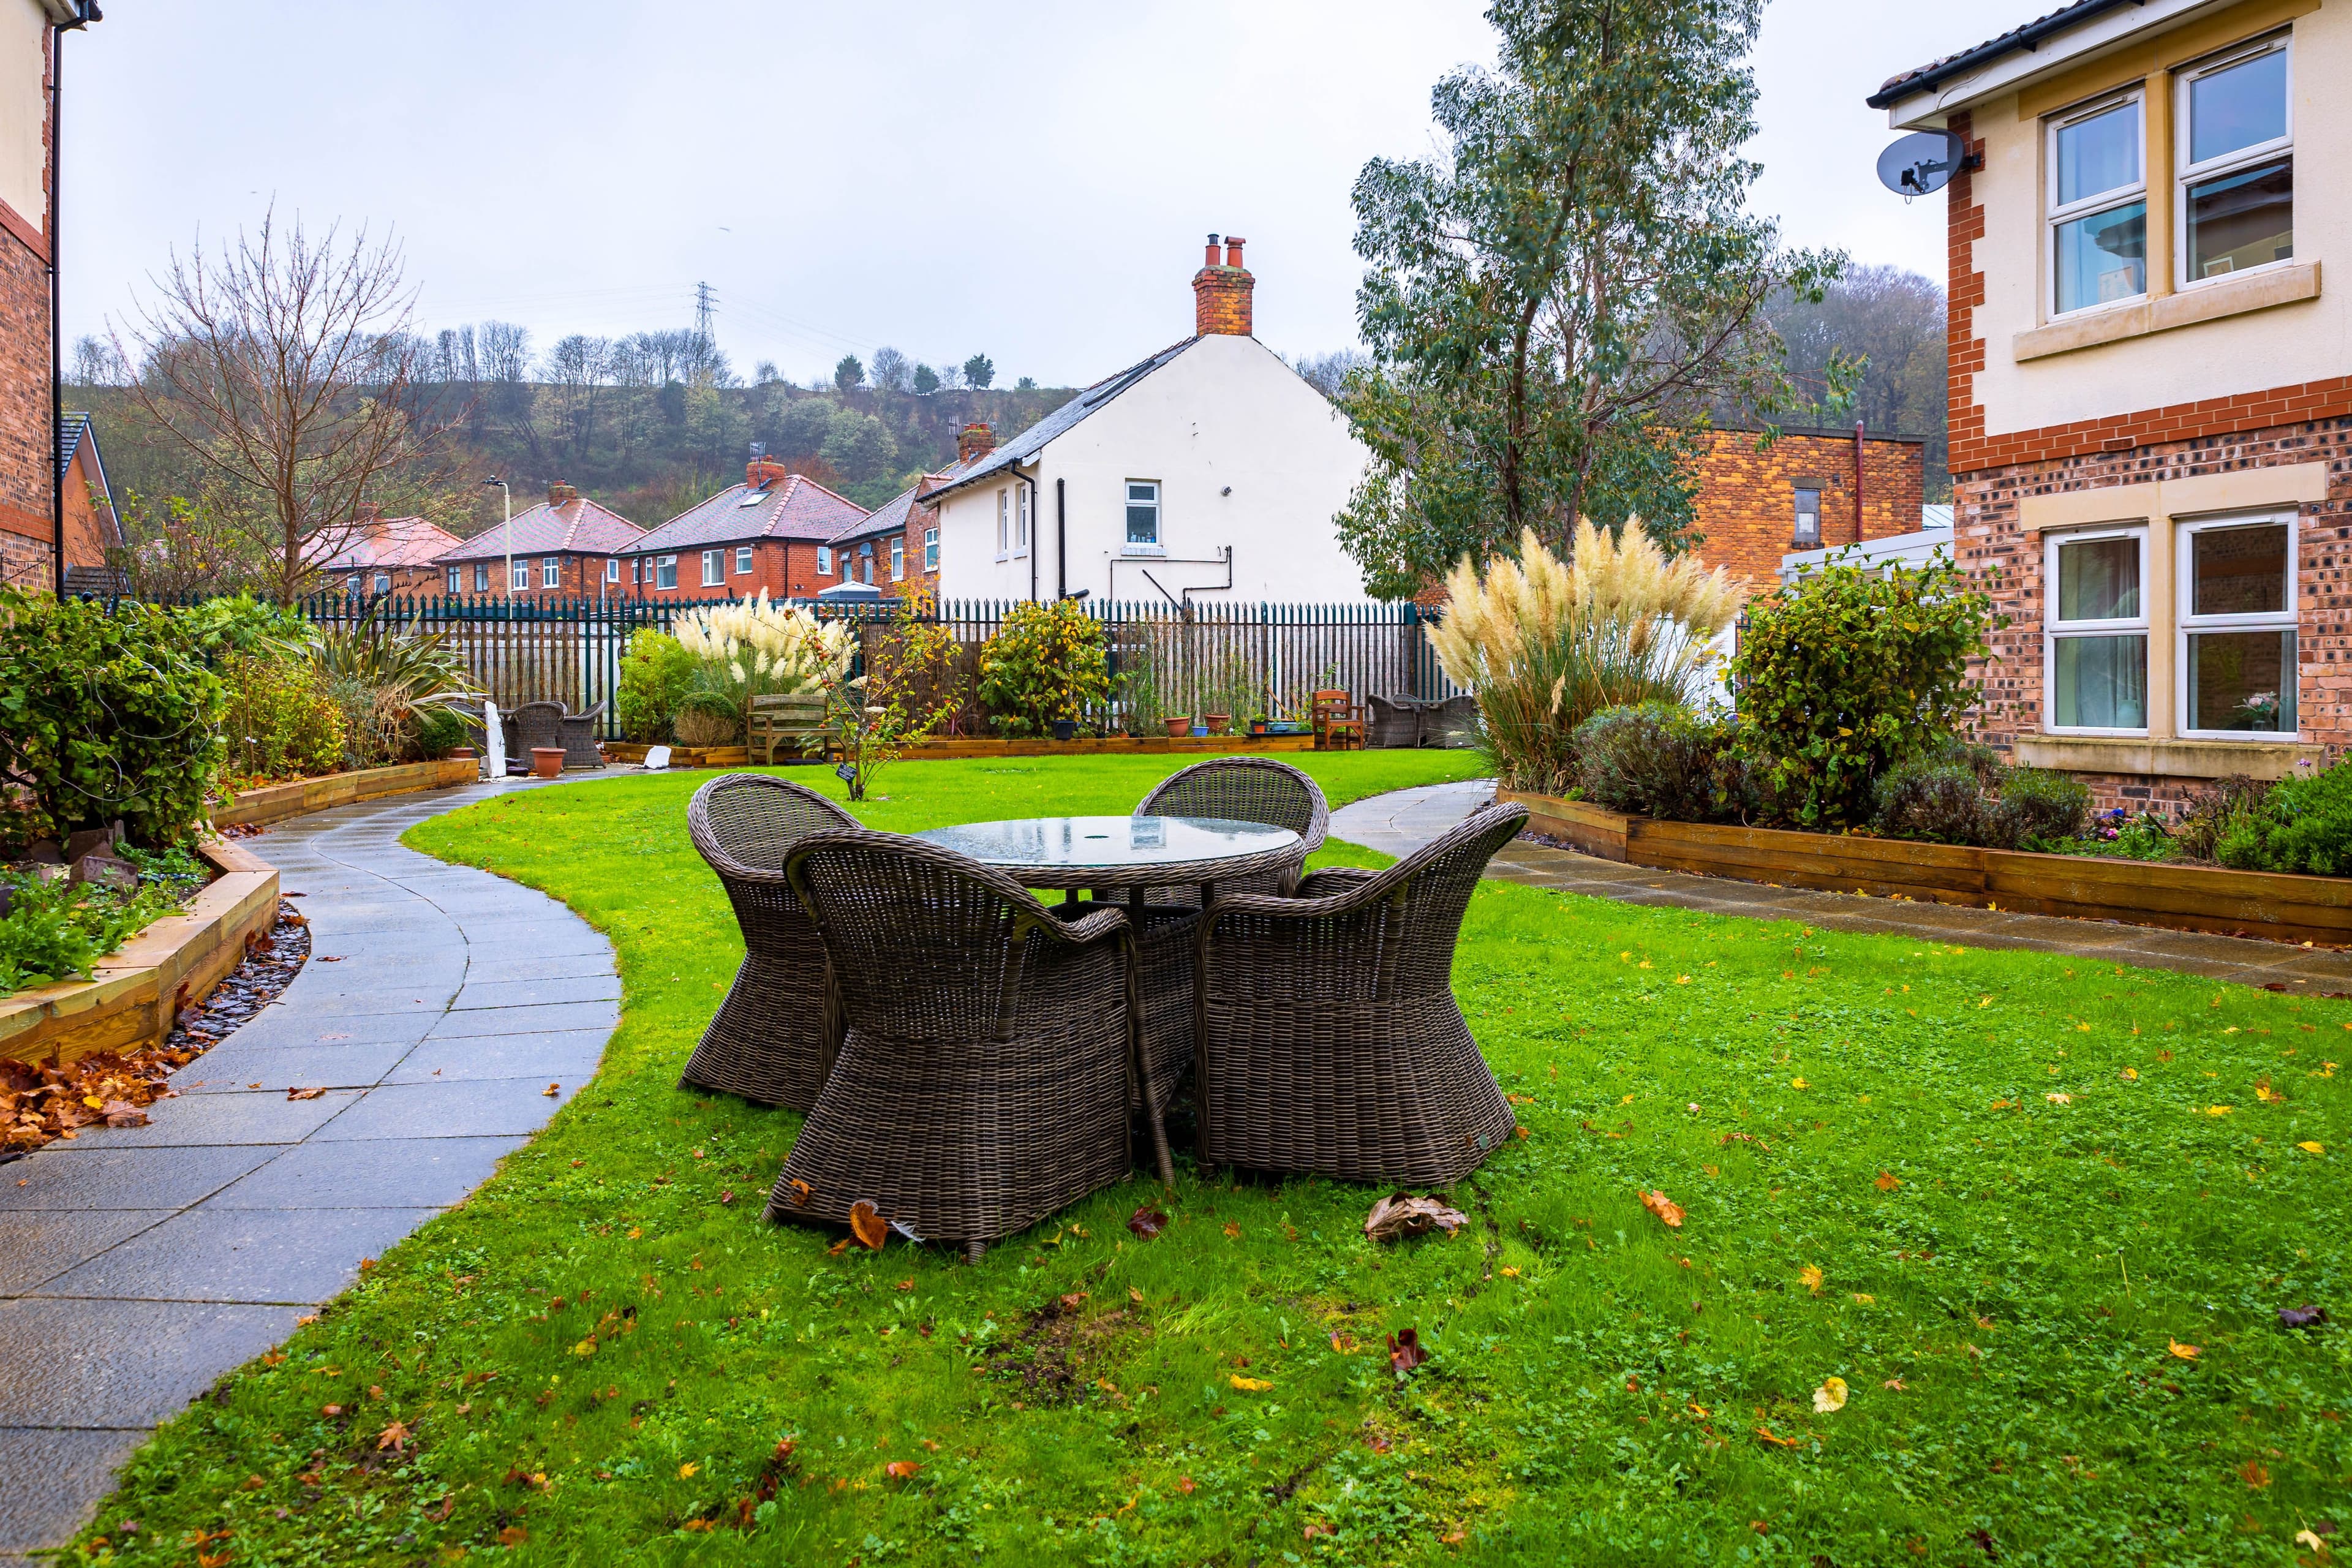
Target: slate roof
795	506
579	526
1937	72
71	428
892	516
1060	422
393	542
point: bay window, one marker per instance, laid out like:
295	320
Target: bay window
2236	164
2096	630
2237	614
2098	207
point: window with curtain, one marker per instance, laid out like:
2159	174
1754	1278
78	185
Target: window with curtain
2096	630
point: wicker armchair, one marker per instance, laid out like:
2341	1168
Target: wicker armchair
1329	1040
532	724
1394	722
579	732
986	1075
774	1038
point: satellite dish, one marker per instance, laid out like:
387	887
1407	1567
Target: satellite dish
1922	164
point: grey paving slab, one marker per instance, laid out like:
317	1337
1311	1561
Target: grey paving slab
238	1069
51	1479
567	1055
283	1027
81	1176
38	1244
122	1363
258	1256
383	1172
229	1119
559	966
470	1108
529	992
400	995
539	1019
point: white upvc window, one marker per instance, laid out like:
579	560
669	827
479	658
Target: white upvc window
2097	183
519	582
742	559
611	569
1004	525
457	579
898	558
481	576
383	582
1807	534
1021	520
1143	515
930	550
551	572
2235	163
2094	631
2236	626
666	572
352	583
865	562
824	560
714	568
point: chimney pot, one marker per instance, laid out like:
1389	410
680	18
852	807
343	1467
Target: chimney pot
1233	244
975	440
1222	293
562	493
1210	261
762	472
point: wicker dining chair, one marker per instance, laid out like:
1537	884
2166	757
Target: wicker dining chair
579	732
775	1037
986	1075
1329	1041
533	724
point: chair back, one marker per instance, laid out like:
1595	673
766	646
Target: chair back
1428	892
1245	789
751	821
538	724
928	946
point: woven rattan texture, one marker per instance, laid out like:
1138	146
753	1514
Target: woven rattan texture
1329	1042
775	1037
580	747
985	1080
533	724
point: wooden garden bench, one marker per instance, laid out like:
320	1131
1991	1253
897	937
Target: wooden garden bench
796	721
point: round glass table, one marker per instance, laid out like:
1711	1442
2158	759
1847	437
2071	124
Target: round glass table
1128	854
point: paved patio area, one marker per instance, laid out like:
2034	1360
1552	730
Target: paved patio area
1401	822
138	1265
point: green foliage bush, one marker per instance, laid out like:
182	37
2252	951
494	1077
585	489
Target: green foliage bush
2215	812
283	721
1659	759
2302	823
437	733
2038	807
57	931
1840	672
105	715
239	624
1934	799
1045	662
656	675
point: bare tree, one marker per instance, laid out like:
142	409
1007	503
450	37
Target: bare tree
97	363
287	369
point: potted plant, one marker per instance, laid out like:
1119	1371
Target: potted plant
1178	725
1258	726
1221	723
1065	729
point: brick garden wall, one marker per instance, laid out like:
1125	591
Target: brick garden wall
1746	498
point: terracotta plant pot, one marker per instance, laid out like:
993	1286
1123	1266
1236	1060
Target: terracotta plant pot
547	762
1178	725
463	754
1221	723
1258	726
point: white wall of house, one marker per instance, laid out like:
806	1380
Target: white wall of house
23	109
1246	456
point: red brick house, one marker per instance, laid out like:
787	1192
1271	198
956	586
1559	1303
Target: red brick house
775	531
391	555
93	532
566	545
2151	400
896	549
1800	492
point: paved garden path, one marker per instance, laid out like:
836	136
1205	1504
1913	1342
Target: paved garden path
1403	820
439	1005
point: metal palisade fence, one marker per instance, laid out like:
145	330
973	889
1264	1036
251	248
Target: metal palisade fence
1240	659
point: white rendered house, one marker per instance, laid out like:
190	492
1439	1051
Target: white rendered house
1207	473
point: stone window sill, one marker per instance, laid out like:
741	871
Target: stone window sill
2167	759
2273	286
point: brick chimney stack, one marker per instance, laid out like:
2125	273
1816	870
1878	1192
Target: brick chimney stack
369	516
974	441
1221	291
762	472
562	493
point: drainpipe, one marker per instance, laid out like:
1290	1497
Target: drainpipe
1061	540
84	12
1031	480
1857	482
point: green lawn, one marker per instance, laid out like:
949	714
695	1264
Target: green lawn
1992	1193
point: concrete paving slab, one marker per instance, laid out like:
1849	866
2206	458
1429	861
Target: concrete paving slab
81	1176
384	1172
50	1480
476	1109
571	1054
541	1019
286	1025
257	1255
193	1118
38	1245
560	967
236	1069
122	1363
536	992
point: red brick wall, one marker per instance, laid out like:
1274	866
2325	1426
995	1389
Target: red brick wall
1965	290
27	432
583	576
1747	498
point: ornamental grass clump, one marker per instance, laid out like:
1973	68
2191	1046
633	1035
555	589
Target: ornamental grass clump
753	647
1546	644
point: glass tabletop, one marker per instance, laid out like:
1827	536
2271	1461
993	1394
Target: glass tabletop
1109	843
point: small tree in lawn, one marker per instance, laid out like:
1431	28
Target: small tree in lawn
909	688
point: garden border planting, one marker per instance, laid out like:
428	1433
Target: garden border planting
274	803
937	750
2280	906
135	993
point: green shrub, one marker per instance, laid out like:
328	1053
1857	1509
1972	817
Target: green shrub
56	930
1045	662
2038	807
2215	812
281	718
104	715
656	675
1940	799
2302	823
1653	760
239	624
1840	674
437	731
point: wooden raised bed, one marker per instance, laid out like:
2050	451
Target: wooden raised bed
135	993
2275	905
272	803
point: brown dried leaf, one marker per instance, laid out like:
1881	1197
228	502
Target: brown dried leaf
1146	1222
867	1223
304	1093
1665	1207
1405	1351
1403	1213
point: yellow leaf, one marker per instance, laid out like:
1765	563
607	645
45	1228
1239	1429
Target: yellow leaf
2129	1074
1887	1182
1860	1299
2218	1110
2184	1353
1507	1272
685	1471
2059	1099
1796	1083
1251	1385
1810	1277
1829	1397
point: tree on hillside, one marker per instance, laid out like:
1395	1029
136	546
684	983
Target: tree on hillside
893	371
926	379
287	370
1893	322
847	372
978	371
1553	304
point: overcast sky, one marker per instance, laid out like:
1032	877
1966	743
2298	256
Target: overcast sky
1032	180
